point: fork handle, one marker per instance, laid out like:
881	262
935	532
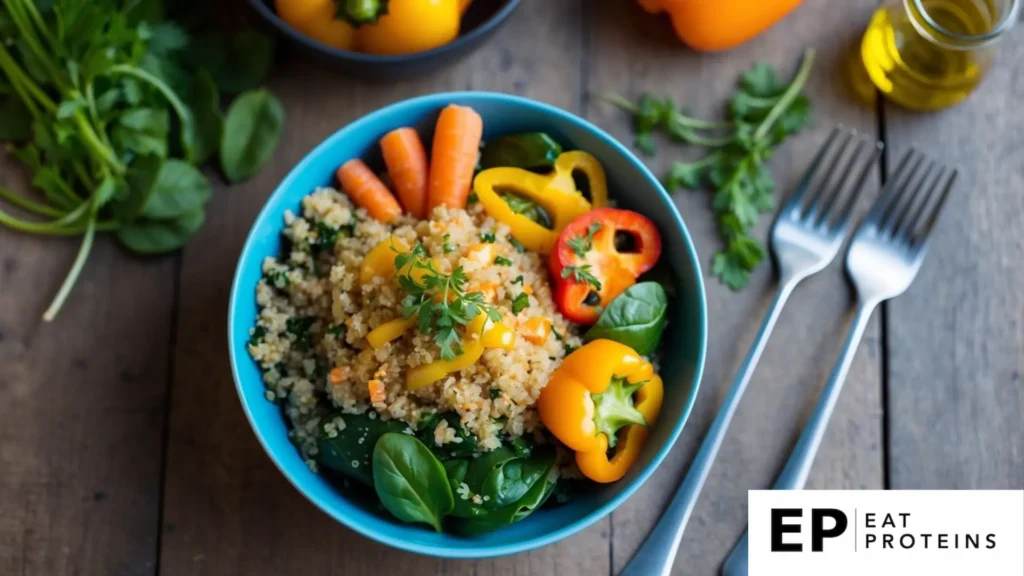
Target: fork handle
798	467
657	554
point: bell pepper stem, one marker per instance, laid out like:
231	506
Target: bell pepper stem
359	12
614	409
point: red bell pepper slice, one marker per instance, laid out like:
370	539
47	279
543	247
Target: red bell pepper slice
597	257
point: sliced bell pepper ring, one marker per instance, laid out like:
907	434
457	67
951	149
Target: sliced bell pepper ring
597	257
555	192
589	398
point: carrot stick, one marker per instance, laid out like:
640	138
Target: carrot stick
454	155
406	160
367	191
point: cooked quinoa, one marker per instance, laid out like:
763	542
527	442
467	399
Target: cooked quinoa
310	338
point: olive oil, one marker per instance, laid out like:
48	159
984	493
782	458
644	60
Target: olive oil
929	58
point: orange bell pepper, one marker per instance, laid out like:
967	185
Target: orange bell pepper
590	397
720	24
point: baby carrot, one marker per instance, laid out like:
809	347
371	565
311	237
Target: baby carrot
406	160
367	191
454	155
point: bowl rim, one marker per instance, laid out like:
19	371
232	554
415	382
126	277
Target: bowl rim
483	29
484	551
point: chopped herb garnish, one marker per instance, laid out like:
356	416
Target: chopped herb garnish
472	199
279	279
518	280
438	300
336	330
516	244
447	247
494	393
569	349
580	245
257	336
487	237
299	327
325	237
520	303
558	335
581	274
502	261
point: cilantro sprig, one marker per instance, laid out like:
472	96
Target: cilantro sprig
580	245
763	112
581	274
439	301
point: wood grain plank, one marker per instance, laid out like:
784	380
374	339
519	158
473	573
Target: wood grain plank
633	53
227	509
956	338
81	405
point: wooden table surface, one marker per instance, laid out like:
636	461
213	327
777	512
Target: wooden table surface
123	449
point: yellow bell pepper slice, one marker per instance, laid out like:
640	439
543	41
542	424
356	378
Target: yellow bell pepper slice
556	193
389	331
490	335
380	260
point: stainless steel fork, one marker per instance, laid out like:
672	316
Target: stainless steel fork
883	259
806	236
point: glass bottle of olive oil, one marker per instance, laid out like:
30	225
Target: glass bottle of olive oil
930	54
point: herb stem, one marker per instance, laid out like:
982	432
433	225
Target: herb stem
792	91
18	13
18	76
682	119
179	108
30	205
73	274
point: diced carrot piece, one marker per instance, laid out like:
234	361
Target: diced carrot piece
376	391
528	290
367	191
335	376
489	289
406	160
536	329
482	253
453	156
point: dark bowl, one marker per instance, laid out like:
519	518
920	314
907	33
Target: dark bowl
481	20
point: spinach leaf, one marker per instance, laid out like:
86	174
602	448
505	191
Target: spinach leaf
140	178
635	318
507	484
207	119
160	236
179	188
142	131
510	514
349	450
251	133
459	449
530	150
410	482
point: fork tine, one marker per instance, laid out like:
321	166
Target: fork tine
825	214
902	206
825	188
916	207
851	198
891	190
793	204
928	223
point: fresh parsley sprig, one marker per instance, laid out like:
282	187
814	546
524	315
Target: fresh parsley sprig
763	112
581	274
439	301
580	245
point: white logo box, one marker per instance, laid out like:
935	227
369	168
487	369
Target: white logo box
933	533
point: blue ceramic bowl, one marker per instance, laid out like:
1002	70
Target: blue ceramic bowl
630	184
482	19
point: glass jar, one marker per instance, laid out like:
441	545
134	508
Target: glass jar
930	54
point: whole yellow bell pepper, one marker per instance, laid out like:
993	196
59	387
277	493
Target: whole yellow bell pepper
590	397
555	192
720	24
